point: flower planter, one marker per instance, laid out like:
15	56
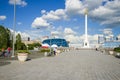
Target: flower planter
118	55
22	57
111	52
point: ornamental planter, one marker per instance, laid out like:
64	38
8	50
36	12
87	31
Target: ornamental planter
22	57
118	55
111	52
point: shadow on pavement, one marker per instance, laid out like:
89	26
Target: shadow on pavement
28	59
33	55
3	63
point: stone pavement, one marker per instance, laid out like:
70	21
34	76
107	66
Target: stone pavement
73	65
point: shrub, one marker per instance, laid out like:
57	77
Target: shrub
45	50
23	51
31	46
117	49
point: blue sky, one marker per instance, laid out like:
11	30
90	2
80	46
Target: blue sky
63	18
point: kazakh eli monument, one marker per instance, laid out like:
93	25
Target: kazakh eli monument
86	42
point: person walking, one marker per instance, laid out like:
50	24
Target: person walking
3	52
55	50
8	51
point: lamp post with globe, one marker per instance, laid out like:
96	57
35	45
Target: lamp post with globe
14	25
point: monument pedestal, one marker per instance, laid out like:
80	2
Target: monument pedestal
86	44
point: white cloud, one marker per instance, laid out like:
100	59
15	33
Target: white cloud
51	16
55	33
75	39
108	14
73	7
18	2
43	11
55	15
92	4
112	21
93	37
24	35
60	28
40	23
69	31
72	38
90	37
45	19
102	12
35	33
113	4
105	15
107	31
2	17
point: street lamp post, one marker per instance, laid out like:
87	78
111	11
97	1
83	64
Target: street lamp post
50	44
14	24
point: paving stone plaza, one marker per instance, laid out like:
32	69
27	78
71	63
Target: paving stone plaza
72	65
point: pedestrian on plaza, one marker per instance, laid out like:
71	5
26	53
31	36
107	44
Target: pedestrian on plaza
8	51
54	50
96	49
3	52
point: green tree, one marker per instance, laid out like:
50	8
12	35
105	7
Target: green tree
9	38
3	37
18	42
31	46
19	45
36	44
23	46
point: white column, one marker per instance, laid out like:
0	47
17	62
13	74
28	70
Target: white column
86	38
86	42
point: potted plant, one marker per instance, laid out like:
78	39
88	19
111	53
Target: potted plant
111	52
22	55
117	50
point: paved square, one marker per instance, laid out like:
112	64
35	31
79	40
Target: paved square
73	65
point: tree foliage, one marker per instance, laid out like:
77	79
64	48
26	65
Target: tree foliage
36	44
4	37
19	45
6	40
31	46
9	38
117	49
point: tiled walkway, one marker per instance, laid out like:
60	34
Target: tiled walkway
73	65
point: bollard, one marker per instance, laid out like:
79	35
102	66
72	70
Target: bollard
45	54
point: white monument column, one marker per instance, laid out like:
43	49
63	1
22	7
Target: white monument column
86	42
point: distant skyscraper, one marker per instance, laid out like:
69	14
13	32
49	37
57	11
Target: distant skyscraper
100	39
108	35
28	38
118	38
